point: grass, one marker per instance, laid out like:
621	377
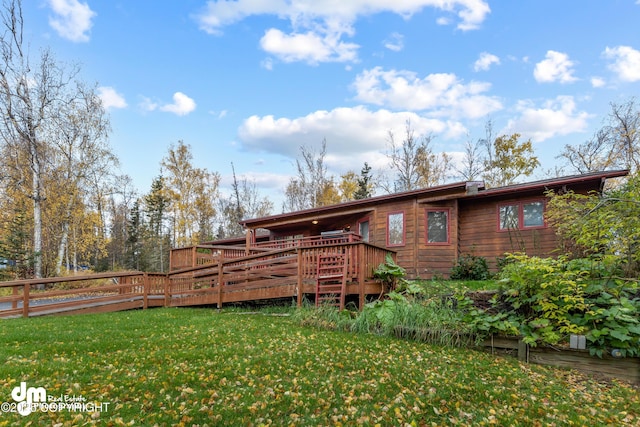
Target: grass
187	367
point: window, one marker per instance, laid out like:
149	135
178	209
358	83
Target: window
509	217
438	226
395	229
363	230
521	216
533	214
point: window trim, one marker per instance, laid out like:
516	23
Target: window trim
404	229
520	210
426	231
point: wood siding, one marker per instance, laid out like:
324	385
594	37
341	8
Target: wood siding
406	253
479	234
436	259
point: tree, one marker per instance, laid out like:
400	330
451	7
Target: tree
508	160
414	163
365	183
625	130
192	192
135	239
312	187
157	203
472	165
83	161
14	245
615	145
243	203
348	186
52	132
605	227
595	154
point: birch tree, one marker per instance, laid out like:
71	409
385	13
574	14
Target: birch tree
37	101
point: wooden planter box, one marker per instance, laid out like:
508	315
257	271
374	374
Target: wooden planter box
626	369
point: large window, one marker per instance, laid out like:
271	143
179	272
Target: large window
395	229
438	226
521	216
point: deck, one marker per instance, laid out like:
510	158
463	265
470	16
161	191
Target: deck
212	275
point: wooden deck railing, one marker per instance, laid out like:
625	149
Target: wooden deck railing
321	240
192	256
276	273
94	293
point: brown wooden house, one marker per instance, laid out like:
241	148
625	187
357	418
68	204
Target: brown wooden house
430	228
426	230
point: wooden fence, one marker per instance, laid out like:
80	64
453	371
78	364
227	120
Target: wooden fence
228	277
77	294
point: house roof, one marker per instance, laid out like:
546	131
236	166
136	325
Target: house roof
356	206
459	190
594	180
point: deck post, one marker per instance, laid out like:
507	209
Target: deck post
145	291
220	278
299	290
248	239
25	299
167	294
362	271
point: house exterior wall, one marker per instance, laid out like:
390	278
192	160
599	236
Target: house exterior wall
480	234
436	258
473	225
405	252
473	229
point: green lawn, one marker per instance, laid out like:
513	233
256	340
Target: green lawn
203	367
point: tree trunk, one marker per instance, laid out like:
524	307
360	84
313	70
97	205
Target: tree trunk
37	222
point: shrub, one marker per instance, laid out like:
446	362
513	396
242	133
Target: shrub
470	267
547	299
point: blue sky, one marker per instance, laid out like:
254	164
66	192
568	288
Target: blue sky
251	81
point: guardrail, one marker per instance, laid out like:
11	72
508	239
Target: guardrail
266	274
86	293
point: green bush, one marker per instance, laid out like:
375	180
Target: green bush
470	267
546	299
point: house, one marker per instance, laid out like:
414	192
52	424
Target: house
430	228
426	230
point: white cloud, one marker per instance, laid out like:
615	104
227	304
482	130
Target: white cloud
597	81
484	62
110	98
442	93
626	62
182	105
72	19
147	104
394	42
267	64
556	67
309	47
556	117
322	25
351	133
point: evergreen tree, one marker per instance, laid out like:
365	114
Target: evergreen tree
365	184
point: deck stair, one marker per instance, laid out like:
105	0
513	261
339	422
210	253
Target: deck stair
331	279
